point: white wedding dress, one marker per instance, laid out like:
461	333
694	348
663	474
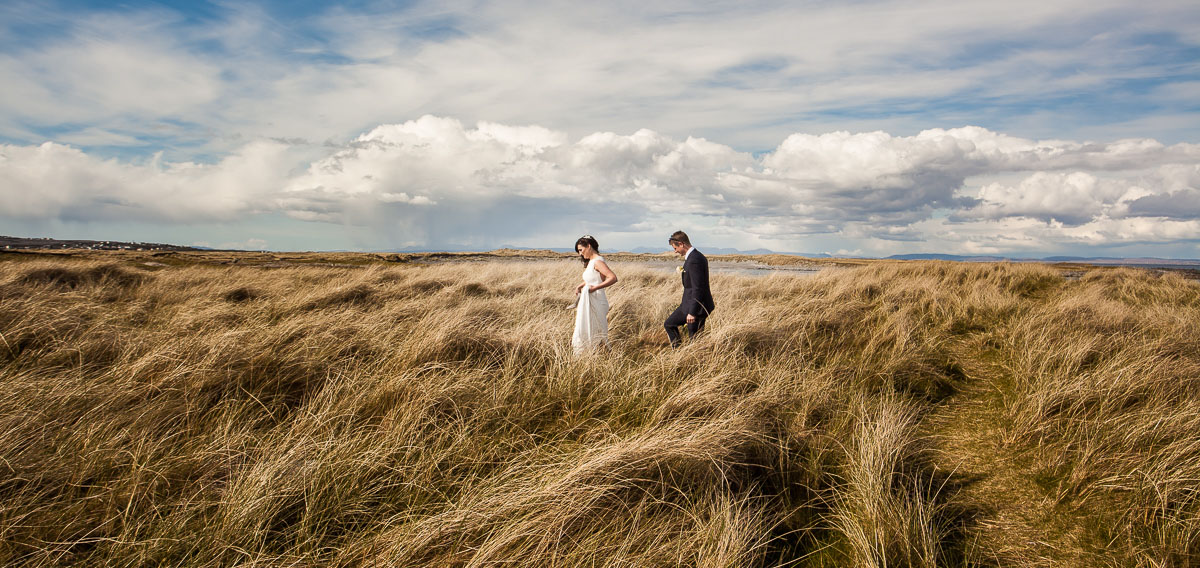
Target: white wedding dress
591	313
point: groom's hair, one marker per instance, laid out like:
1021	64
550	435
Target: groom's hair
680	237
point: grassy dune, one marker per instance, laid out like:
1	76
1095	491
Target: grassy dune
898	414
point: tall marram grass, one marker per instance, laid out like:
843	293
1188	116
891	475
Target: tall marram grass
920	414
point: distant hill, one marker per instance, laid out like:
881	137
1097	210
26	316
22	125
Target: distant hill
603	249
1117	260
719	250
1100	260
24	243
953	257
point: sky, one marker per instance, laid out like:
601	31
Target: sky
865	128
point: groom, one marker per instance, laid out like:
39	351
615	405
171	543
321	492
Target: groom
697	299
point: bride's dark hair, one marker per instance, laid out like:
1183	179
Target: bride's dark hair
587	240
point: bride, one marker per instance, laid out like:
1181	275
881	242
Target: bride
591	312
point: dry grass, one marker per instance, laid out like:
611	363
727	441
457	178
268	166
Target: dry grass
391	413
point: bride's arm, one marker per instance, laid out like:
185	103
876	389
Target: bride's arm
610	277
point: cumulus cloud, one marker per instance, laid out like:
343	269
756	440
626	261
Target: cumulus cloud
876	184
1179	198
1183	204
61	182
1071	198
434	165
435	180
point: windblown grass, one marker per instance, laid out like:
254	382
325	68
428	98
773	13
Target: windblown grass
901	414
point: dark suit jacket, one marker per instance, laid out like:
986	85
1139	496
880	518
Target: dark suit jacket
697	299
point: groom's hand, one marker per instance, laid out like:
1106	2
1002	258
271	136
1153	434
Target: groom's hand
691	318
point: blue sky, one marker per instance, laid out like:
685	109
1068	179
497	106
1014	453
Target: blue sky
865	128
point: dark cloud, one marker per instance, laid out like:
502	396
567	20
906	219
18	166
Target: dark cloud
1183	204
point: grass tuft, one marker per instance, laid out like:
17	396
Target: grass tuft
406	414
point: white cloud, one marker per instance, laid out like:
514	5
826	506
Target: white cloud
1025	235
649	113
56	181
1072	198
438	160
248	244
878	184
1179	197
436	181
107	67
744	75
432	156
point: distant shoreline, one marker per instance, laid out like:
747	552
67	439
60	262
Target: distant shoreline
755	264
756	261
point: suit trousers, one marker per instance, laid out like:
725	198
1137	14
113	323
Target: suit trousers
679	318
